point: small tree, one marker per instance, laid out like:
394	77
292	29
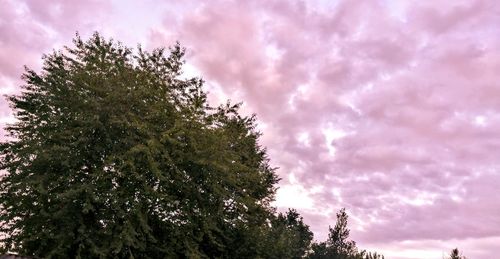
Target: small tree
338	245
455	254
287	236
338	236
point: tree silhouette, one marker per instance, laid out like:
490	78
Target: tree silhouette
338	245
455	254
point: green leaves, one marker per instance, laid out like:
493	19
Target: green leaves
115	156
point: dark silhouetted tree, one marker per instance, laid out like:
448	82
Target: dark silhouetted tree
338	245
369	255
455	254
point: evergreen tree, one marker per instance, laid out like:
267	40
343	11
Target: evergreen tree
338	237
338	245
114	155
455	254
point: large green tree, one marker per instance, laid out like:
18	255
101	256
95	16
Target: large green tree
115	155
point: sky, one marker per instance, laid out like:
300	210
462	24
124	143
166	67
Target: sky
390	109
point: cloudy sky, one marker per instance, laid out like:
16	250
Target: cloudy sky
390	109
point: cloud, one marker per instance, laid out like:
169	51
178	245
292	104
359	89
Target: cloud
30	28
387	108
411	86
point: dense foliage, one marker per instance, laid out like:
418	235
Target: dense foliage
114	155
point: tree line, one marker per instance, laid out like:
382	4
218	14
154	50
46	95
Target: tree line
114	154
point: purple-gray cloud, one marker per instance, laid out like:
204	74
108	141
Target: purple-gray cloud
387	108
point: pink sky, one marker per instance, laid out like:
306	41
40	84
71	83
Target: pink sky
388	108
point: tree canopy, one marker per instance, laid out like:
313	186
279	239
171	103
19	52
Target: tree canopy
115	155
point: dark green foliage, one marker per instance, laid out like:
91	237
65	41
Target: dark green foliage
338	245
282	236
115	156
287	237
369	255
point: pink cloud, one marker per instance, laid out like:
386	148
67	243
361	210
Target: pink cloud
30	28
412	86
